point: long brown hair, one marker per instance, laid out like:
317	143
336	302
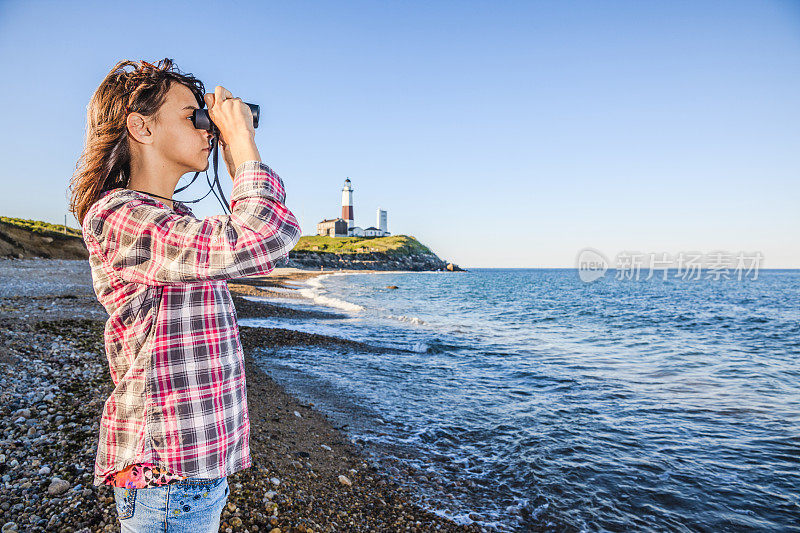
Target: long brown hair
106	159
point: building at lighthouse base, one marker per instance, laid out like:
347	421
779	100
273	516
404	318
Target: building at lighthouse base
333	227
337	227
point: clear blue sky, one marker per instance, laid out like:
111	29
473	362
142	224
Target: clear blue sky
501	134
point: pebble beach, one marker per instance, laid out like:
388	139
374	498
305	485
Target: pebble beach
307	476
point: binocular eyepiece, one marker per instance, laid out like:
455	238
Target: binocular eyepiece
202	120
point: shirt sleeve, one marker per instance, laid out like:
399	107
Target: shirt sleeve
143	242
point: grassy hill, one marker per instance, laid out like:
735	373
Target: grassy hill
393	245
23	238
395	252
37	226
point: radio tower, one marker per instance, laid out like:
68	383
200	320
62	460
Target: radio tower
347	204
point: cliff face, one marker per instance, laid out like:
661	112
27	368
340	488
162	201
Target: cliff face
393	252
21	242
364	261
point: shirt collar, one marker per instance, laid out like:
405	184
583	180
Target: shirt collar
178	207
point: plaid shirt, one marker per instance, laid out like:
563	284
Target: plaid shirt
171	338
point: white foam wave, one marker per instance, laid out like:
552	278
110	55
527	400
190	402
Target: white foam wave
419	347
278	289
314	327
330	330
409	319
313	290
329	301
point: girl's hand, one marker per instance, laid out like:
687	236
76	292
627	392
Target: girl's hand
232	117
234	120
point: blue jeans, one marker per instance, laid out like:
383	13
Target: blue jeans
191	505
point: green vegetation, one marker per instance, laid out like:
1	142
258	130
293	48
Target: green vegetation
393	245
37	226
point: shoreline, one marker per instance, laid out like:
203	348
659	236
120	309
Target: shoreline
54	380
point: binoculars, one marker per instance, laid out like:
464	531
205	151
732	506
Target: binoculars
202	120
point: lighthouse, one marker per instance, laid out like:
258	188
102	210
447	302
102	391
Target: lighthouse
345	226
347	204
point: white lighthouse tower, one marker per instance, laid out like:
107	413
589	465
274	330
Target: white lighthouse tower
382	225
347	204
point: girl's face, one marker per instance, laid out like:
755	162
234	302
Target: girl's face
176	140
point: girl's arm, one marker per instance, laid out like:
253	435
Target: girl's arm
142	242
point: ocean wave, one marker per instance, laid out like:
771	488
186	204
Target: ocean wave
317	328
313	291
279	289
409	319
315	288
419	347
312	327
416	347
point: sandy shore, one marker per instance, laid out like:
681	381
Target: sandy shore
53	382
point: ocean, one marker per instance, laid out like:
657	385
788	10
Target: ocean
528	400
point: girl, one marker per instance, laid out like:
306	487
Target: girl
176	424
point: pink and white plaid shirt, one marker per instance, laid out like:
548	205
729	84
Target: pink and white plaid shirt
171	338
